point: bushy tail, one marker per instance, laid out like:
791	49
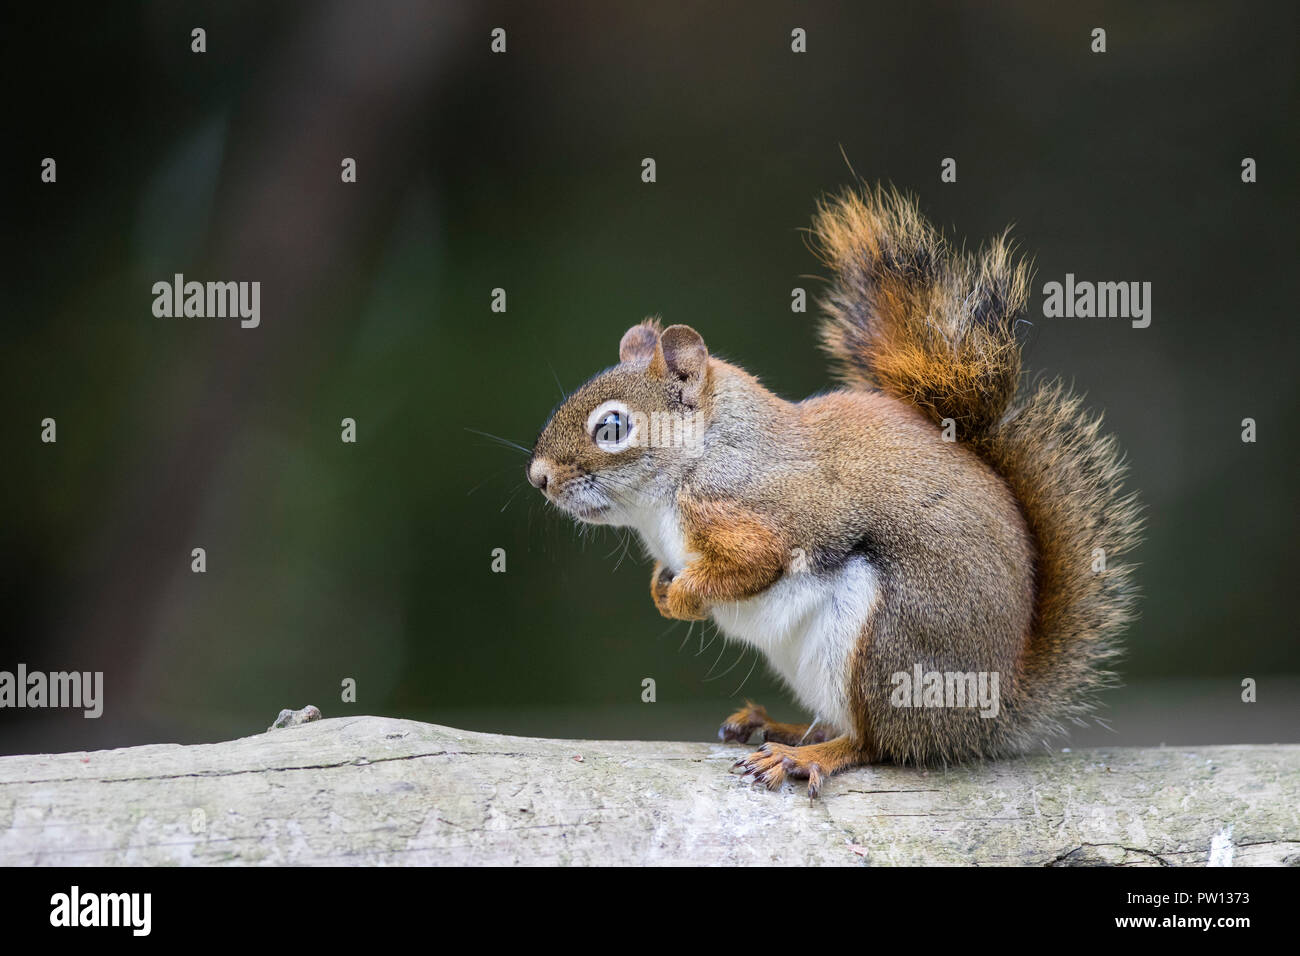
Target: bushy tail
936	326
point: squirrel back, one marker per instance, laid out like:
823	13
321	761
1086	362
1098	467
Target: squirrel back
935	327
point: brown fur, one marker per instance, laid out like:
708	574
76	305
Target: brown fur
935	327
751	718
740	554
918	320
772	763
982	548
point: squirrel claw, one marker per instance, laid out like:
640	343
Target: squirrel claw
768	765
740	726
773	763
730	733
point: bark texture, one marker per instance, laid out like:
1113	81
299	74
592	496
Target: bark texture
372	790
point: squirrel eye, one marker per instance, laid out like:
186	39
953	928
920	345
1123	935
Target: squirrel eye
611	431
613	426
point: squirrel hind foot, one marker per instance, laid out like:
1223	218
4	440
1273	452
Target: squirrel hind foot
773	763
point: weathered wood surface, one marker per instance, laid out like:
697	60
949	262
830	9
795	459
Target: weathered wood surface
370	790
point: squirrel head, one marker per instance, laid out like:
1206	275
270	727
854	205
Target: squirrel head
625	438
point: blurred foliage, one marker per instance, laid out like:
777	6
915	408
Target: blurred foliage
372	560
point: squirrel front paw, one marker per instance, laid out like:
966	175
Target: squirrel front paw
659	581
683	602
673	596
741	725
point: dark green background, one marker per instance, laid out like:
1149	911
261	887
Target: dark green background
522	171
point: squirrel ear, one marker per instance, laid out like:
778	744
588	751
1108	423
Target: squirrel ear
687	360
639	343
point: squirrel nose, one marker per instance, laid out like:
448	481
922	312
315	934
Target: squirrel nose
539	473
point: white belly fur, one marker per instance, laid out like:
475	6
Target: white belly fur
808	625
661	532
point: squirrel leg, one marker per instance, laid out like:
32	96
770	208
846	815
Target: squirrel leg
741	725
772	763
738	555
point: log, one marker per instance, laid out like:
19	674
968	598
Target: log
373	790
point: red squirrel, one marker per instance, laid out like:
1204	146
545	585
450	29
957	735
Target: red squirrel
930	517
